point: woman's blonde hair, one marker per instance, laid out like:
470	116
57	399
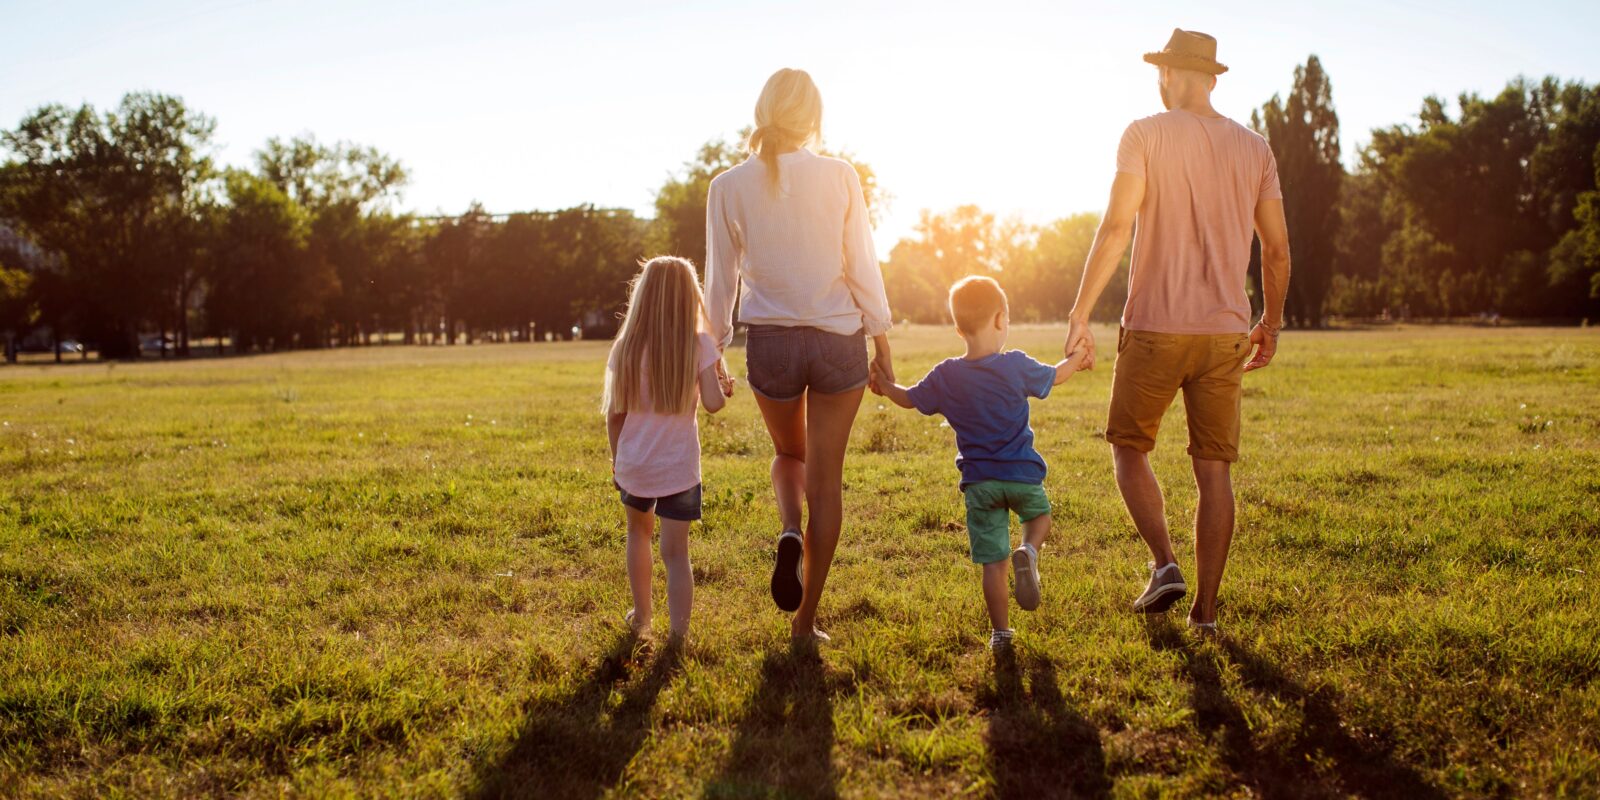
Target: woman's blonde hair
665	311
788	114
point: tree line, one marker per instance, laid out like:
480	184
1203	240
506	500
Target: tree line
117	225
1492	210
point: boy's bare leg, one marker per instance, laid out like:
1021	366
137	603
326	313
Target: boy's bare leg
1213	534
1036	530
641	524
1142	495
996	594
680	576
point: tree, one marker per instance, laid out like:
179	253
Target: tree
264	288
116	197
1043	281
946	248
1304	135
16	307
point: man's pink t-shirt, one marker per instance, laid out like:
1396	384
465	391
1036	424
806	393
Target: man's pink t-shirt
1202	179
659	454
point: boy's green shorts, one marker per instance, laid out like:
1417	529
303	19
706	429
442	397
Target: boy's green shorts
989	507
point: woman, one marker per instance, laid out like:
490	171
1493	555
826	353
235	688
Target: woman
787	233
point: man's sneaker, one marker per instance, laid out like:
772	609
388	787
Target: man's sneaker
1000	639
1166	587
1025	572
786	587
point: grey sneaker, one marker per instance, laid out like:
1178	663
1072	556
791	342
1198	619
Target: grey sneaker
1165	588
1000	639
1025	572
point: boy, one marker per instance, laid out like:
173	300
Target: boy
984	396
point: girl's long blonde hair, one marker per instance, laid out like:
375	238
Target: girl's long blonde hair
665	310
788	114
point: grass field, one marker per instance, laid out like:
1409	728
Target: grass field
399	571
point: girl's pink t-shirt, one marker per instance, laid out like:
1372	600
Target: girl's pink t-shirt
659	454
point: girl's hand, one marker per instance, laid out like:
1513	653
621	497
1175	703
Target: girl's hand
724	379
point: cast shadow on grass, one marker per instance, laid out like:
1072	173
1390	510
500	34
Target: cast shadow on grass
579	744
1039	746
1284	767
783	747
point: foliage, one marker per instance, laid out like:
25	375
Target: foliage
1304	134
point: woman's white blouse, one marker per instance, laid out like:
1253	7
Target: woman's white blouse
800	256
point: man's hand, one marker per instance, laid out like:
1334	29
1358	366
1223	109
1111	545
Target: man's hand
1265	340
1080	340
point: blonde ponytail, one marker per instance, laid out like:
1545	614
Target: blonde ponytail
788	114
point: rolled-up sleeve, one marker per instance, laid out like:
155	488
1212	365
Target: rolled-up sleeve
861	270
722	266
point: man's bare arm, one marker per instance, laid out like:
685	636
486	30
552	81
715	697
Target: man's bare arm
1110	242
1274	234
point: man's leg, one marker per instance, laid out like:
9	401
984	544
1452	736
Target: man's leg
1142	495
1213	533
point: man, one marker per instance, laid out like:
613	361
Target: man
1198	183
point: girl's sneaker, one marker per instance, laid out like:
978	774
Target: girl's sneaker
632	618
1025	576
786	586
1001	639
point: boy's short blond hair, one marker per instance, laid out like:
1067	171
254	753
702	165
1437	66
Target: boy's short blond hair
974	300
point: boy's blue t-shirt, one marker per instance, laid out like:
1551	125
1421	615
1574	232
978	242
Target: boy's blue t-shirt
986	402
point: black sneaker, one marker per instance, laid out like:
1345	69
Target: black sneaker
786	586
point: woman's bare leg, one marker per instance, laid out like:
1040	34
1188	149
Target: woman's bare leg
786	424
829	418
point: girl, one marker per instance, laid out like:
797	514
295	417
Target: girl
661	365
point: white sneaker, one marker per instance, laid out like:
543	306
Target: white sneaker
1025	572
1000	638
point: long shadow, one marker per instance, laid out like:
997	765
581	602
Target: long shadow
577	745
1038	745
783	747
1285	767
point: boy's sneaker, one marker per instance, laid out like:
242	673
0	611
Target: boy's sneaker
1025	576
1165	588
1000	639
786	587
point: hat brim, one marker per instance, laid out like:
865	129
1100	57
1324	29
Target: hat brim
1184	61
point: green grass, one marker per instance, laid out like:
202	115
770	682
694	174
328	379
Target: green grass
399	571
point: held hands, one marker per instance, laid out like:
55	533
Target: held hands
1265	340
1080	340
724	380
875	379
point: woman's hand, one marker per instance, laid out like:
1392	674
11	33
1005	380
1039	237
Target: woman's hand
882	370
724	380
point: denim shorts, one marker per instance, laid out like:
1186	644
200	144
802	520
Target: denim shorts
683	506
783	362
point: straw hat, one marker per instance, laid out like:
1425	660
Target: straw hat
1188	50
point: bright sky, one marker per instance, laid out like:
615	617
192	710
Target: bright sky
541	105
